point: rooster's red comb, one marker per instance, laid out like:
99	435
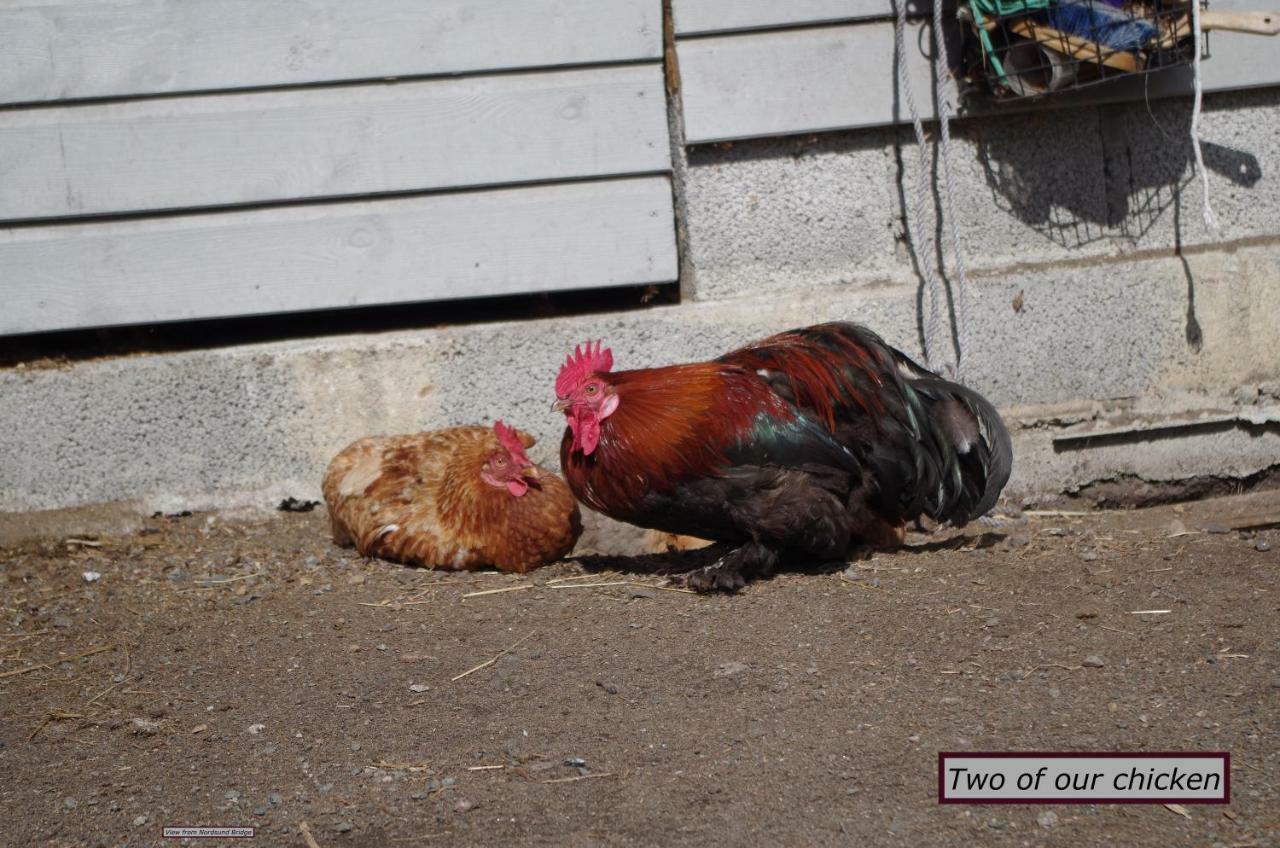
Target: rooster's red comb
510	439
595	360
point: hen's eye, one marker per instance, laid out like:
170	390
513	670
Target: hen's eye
592	388
499	461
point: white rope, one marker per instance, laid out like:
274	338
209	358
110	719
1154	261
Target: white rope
915	223
937	324
1210	220
944	91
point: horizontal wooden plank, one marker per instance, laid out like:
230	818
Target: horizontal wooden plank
290	259
789	81
65	49
696	17
329	142
842	77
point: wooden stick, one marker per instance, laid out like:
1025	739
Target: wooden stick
220	581
497	591
590	585
1253	23
306	834
662	588
17	671
580	777
488	663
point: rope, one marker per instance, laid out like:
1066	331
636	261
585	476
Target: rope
916	214
936	318
945	88
1210	220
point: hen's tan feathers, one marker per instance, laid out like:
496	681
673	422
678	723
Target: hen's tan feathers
420	499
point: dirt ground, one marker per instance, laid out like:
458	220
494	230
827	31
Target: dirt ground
248	673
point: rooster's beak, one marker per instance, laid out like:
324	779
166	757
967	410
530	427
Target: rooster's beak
560	405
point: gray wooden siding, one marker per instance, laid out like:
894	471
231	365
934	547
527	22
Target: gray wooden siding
412	188
70	49
219	150
693	17
288	259
765	82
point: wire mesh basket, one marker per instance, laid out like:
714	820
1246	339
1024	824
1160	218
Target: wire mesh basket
1033	48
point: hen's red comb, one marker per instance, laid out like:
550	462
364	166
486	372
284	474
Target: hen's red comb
510	440
582	363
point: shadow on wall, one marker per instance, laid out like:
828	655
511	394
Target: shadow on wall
1143	160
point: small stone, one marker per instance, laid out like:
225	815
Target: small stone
356	580
997	824
611	688
255	729
1089	556
91	576
463	805
259	811
70	803
1217	529
139	821
1018	541
275	799
344	827
418	796
575	762
1093	661
1047	819
1085	615
61	621
728	669
232	795
418	687
144	726
355	746
1262	546
991	622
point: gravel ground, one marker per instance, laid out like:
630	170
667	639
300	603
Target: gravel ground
219	672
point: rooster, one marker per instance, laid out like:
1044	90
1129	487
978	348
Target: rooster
810	442
460	498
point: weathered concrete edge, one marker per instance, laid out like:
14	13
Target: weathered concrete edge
251	425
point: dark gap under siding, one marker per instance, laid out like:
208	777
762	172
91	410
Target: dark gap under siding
56	349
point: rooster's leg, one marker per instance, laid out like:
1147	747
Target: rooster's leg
730	572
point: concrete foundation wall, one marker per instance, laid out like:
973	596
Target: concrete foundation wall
1083	317
1047	186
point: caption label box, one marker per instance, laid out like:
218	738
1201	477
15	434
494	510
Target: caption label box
1084	778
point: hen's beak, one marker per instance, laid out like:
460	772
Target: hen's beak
560	405
531	473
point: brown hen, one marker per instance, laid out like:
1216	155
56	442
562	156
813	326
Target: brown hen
462	498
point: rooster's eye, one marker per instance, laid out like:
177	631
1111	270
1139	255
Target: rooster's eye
592	388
